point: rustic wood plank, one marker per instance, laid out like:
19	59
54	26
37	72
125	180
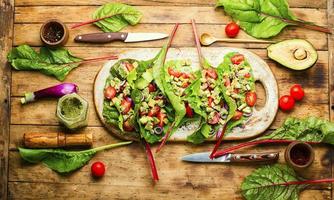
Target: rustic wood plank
166	14
292	3
6	31
183	38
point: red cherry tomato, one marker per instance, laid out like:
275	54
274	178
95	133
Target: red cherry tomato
185	76
237	59
237	115
247	75
251	98
297	92
110	92
286	102
172	72
215	119
185	85
161	116
232	29
227	82
98	169
211	73
151	87
154	111
129	66
210	100
127	126
126	104
189	111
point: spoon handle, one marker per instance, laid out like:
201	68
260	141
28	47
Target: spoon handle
244	40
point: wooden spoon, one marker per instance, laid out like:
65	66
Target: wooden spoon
207	39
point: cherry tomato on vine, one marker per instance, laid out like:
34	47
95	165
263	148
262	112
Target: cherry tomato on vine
232	29
98	169
297	92
286	103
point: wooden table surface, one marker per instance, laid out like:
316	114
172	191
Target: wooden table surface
128	175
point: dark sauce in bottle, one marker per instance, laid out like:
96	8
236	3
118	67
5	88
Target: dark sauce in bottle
53	32
300	154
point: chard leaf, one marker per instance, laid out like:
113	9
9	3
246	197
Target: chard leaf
52	62
63	161
264	182
120	14
158	68
259	18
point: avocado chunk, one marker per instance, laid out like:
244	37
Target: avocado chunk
296	54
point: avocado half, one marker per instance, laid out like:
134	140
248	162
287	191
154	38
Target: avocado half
296	54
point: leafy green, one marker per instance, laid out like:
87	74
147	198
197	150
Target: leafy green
309	129
201	133
259	18
61	160
261	184
193	96
158	68
52	62
120	14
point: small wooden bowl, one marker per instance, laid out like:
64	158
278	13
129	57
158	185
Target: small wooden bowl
304	150
54	33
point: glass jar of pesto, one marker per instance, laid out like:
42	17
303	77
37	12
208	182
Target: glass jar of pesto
72	111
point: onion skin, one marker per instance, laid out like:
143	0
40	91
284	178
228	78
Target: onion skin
56	91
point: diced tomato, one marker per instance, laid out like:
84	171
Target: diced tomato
247	75
151	87
211	73
142	113
236	90
237	115
210	100
185	75
215	119
251	98
127	126
185	84
110	92
189	111
129	66
237	59
161	116
172	72
126	105
154	111
227	82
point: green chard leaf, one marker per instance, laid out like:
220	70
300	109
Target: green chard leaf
259	18
52	62
263	184
63	161
121	15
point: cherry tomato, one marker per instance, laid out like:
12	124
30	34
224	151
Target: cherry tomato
237	115
215	119
161	116
236	90
251	98
189	111
127	126
126	104
227	82
151	87
232	29
110	92
98	169
211	73
129	66
286	102
172	72
185	85
237	59
185	75
247	75
297	92
210	100
154	111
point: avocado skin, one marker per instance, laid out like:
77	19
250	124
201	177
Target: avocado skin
275	53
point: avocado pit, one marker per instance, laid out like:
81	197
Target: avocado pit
300	54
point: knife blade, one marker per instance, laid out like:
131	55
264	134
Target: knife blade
119	36
232	157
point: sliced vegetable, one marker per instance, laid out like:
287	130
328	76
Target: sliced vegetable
63	161
126	105
110	92
98	169
237	115
286	103
232	30
56	91
297	92
237	59
189	111
251	98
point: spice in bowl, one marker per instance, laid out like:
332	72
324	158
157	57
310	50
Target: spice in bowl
54	33
299	155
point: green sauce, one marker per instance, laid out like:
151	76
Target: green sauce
71	107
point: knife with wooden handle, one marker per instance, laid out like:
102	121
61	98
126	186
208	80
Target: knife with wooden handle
233	157
119	36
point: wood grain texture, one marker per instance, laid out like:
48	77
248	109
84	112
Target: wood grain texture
6	31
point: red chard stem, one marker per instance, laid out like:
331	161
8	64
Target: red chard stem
221	133
89	22
150	157
198	44
307	182
112	57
